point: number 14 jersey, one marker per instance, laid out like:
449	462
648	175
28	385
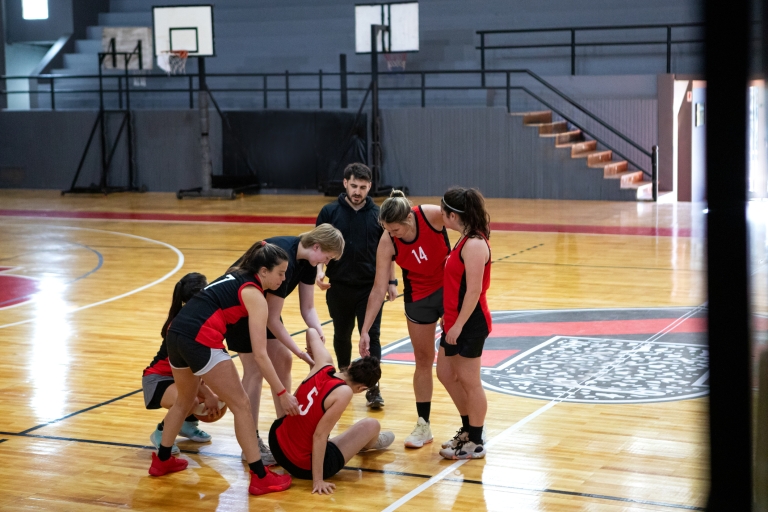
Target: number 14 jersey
422	259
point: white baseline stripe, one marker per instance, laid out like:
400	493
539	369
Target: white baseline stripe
178	266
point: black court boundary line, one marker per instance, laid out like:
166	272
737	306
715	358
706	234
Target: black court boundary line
378	471
23	432
107	402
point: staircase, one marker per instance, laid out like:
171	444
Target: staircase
572	139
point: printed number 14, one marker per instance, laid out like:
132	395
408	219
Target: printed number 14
420	256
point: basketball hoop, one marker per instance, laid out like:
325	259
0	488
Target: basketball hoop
173	62
395	61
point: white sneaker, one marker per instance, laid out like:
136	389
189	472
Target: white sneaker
266	454
464	450
420	436
460	434
385	439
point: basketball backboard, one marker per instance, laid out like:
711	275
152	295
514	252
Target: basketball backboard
402	19
126	40
183	27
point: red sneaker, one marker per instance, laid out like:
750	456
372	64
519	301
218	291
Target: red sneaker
270	483
160	468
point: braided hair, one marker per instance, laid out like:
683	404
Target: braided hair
187	287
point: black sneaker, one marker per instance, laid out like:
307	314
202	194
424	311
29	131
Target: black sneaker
373	398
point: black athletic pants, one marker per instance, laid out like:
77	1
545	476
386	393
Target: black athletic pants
345	303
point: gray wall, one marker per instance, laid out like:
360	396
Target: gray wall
429	150
42	149
426	150
59	22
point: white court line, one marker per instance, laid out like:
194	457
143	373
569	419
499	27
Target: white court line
450	469
178	266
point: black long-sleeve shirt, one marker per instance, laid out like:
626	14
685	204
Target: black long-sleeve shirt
361	230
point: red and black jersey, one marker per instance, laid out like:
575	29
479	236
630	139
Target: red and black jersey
479	323
422	259
160	364
206	316
295	434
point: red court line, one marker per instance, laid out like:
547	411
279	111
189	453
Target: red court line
604	327
278	219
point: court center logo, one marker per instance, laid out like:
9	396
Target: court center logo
592	355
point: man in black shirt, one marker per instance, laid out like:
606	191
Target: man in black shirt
351	277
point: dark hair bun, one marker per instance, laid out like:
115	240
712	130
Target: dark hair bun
365	371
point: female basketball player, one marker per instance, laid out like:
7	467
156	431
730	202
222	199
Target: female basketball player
415	238
300	443
195	342
467	321
320	245
157	380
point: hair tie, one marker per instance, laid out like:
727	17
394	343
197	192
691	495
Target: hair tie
451	207
263	243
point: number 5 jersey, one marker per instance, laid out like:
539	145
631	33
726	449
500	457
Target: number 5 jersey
296	432
422	259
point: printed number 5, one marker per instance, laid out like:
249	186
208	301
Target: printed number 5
310	401
420	256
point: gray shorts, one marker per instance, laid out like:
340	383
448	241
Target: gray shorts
427	310
154	386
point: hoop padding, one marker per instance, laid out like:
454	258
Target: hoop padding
173	63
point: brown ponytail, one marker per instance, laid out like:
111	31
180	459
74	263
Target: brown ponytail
187	287
469	205
365	371
261	254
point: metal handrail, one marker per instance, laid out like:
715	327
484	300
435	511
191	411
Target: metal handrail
287	89
668	41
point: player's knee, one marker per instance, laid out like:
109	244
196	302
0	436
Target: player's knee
371	425
239	403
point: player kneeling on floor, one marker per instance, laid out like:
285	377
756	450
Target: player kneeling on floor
300	443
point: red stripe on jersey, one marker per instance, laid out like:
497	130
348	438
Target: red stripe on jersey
296	433
454	289
162	367
423	259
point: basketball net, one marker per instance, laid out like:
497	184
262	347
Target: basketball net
395	61
174	62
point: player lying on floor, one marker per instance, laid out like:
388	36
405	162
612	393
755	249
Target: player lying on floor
300	443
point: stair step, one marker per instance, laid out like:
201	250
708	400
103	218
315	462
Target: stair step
612	168
537	118
552	129
627	178
599	156
569	138
644	190
583	149
93	32
88	45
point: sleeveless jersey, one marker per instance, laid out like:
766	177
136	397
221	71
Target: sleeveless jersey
160	364
479	323
206	316
423	259
295	434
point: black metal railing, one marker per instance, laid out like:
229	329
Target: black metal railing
666	40
421	82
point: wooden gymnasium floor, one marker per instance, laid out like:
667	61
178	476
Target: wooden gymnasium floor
74	431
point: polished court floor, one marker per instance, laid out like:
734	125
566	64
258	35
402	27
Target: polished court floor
595	374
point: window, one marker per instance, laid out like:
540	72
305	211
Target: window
34	9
